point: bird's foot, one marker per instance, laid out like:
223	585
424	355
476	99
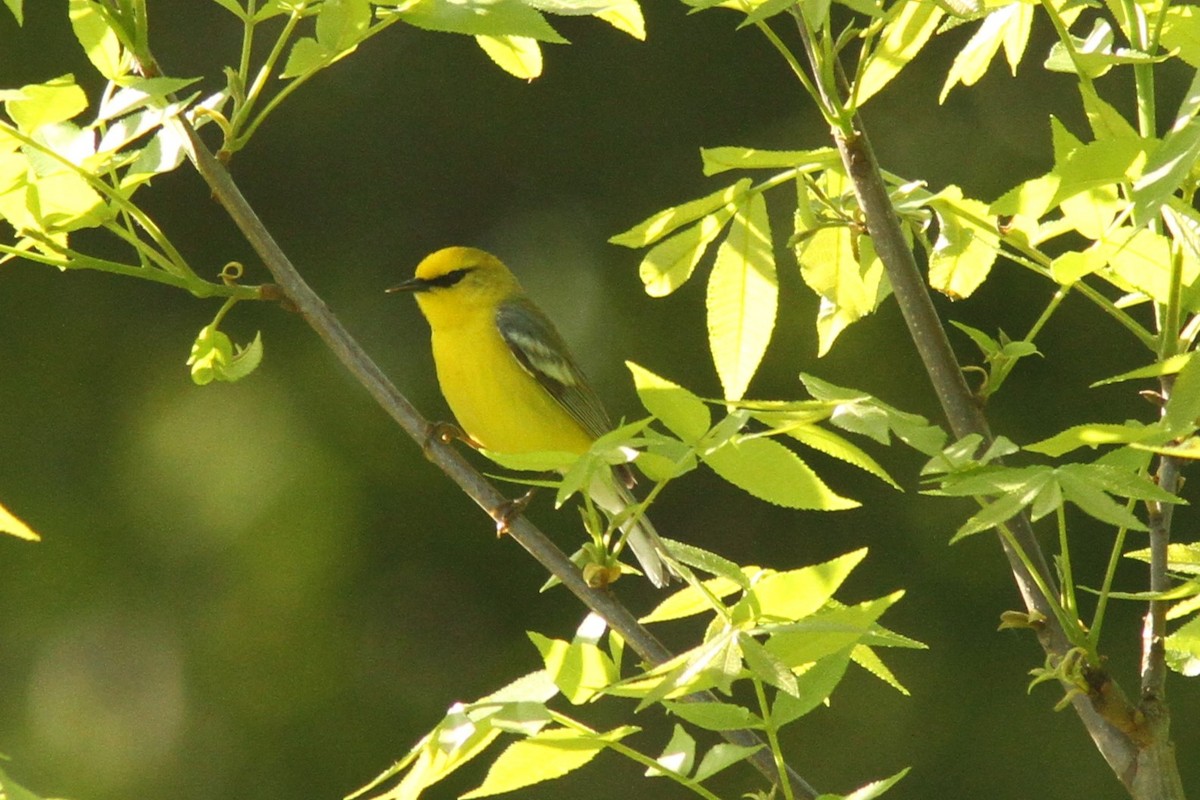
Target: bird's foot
445	433
505	513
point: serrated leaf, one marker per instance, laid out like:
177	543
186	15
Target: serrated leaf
10	524
827	632
841	266
721	756
341	24
1181	31
98	39
869	660
1183	406
814	684
519	56
715	160
972	61
711	563
684	414
579	669
480	18
966	247
743	294
908	28
15	7
670	263
658	225
1170	164
1182	649
835	446
1093	435
678	756
772	472
764	666
39	104
625	16
307	55
1170	366
800	592
690	601
714	716
550	754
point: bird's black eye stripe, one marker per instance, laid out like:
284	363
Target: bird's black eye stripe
450	278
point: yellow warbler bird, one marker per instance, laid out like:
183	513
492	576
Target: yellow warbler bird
510	380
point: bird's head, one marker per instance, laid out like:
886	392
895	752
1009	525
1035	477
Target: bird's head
458	280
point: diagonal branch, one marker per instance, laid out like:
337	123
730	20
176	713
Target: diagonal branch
447	458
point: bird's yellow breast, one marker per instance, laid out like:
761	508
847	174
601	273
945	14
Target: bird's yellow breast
494	399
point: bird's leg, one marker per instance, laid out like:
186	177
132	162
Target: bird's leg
445	433
505	513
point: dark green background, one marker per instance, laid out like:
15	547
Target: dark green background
263	590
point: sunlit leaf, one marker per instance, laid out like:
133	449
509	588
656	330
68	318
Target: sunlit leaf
908	28
684	414
771	472
10	524
678	756
99	41
479	18
550	754
519	56
714	716
658	225
743	292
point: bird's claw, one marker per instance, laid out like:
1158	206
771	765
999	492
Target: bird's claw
445	433
507	512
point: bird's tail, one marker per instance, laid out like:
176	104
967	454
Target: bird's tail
648	549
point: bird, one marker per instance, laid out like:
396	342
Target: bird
511	381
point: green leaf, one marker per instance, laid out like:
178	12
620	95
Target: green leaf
764	666
771	472
213	357
966	246
711	563
721	756
550	754
909	26
1183	406
689	601
625	16
869	660
797	593
831	444
859	412
870	791
1141	260
1181	31
15	7
827	632
1181	557
479	18
101	43
1170	366
307	55
714	716
684	414
678	756
743	293
579	669
1170	164
10	524
657	226
1183	649
814	684
841	266
972	61
38	104
341	24
716	160
672	261
519	56
10	789
1093	435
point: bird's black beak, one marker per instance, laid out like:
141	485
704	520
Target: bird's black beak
410	285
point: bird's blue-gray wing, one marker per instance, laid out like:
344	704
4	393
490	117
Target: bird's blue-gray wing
541	351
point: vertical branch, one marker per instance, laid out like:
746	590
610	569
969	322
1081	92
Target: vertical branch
1105	712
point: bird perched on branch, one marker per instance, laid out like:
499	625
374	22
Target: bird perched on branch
511	381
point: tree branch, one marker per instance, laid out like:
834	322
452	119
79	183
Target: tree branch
1105	712
314	311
